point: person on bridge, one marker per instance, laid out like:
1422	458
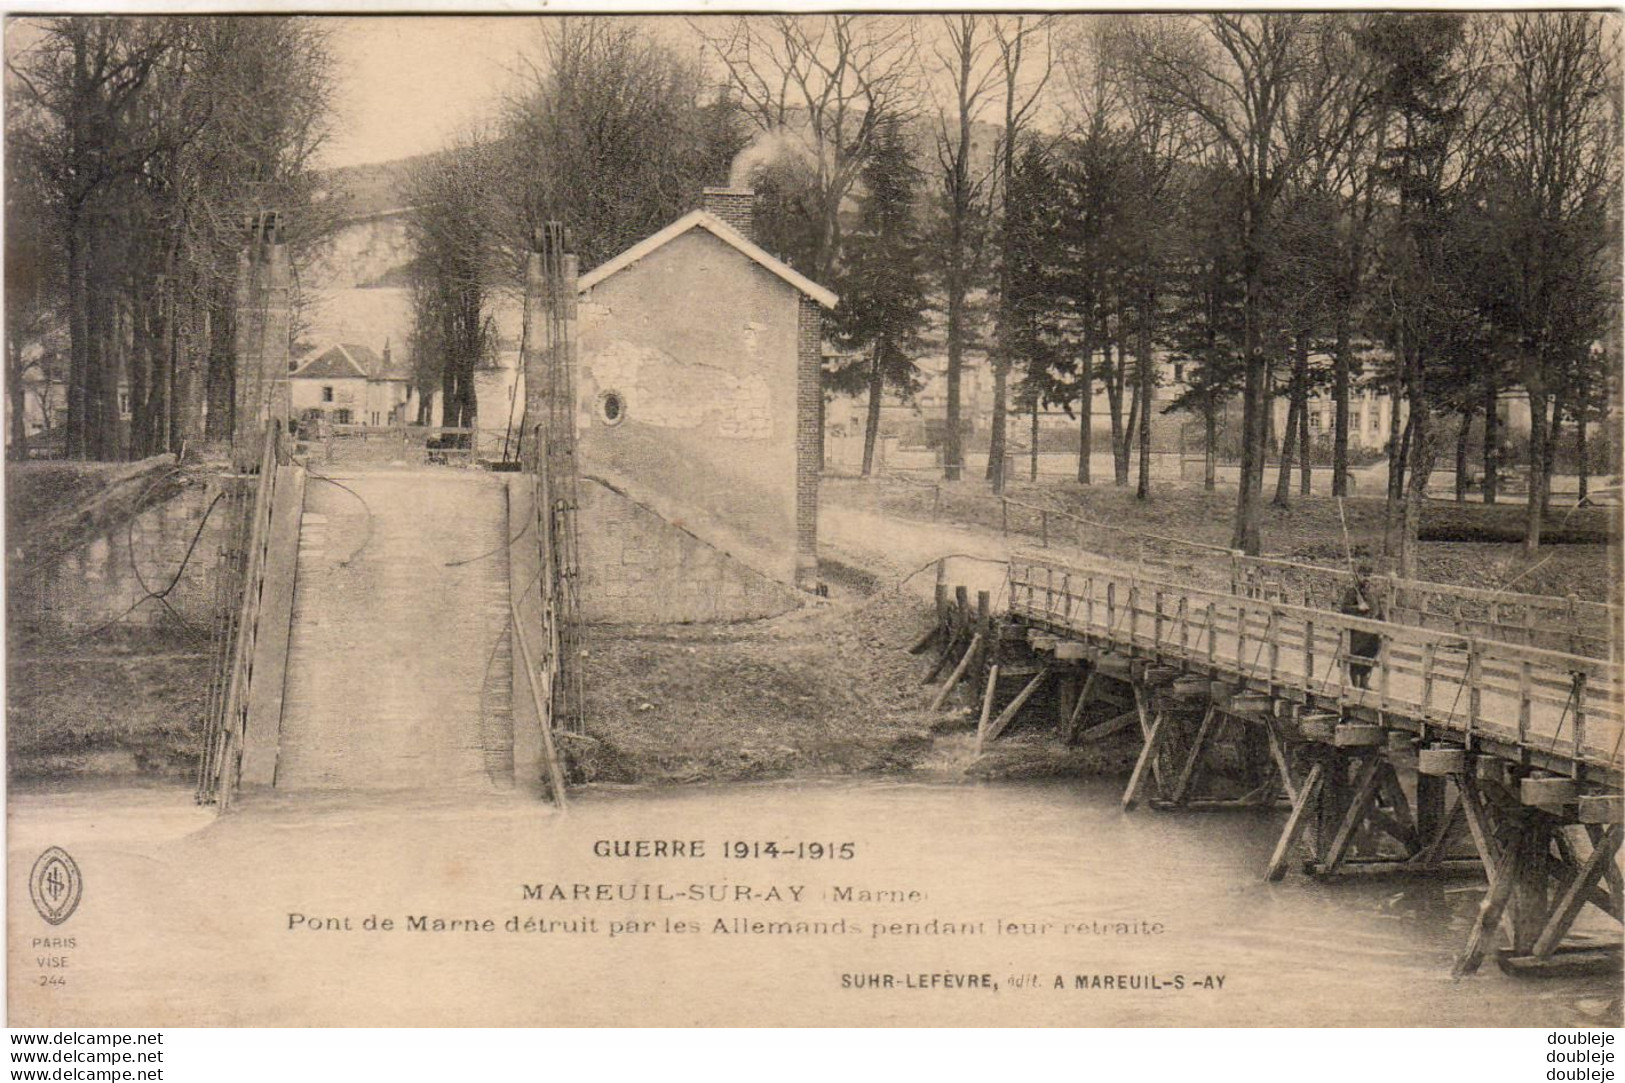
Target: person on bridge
1357	602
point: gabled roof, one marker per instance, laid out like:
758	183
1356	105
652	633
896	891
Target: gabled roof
722	232
346	361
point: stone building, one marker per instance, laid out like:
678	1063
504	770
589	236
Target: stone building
697	415
349	384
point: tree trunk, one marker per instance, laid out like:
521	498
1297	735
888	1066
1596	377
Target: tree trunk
1340	404
1462	435
191	330
1553	432
1492	440
102	412
1583	466
221	380
1393	512
1396	456
1114	402
1423	447
1147	375
871	426
1283	473
1247	535
1537	462
996	432
1306	479
953	456
17	395
1210	447
78	434
1086	410
1125	450
1032	471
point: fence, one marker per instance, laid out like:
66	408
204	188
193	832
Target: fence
1550	705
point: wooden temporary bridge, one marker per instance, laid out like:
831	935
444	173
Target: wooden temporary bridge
1452	737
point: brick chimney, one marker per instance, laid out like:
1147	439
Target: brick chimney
735	206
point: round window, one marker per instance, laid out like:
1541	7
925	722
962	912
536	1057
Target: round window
612	408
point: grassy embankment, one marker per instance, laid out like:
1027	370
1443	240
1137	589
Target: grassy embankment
84	699
1467	544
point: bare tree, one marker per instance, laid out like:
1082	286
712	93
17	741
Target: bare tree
612	134
1557	168
153	138
1026	61
817	87
1243	77
968	70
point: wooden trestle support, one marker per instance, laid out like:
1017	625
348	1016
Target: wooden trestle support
1364	792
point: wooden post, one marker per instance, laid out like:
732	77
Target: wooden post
1429	658
1070	732
1278	754
1579	711
1133	614
1490	911
987	705
1309	654
1384	677
1241	638
1475	677
1525	686
1212	644
1008	715
1148	755
1195	756
1530	904
1270	629
1430	810
1478	822
1365	789
1569	904
1295	823
958	674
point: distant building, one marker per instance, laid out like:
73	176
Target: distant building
350	384
697	406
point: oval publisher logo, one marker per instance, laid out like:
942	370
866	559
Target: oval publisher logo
55	885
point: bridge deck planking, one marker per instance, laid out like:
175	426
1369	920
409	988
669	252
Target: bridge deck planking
1521	696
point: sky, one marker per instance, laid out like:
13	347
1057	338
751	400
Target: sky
408	85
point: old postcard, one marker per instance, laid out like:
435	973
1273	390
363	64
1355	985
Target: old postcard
803	519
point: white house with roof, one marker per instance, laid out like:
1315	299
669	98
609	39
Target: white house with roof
350	384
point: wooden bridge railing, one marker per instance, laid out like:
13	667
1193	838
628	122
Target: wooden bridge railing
1558	707
1569	625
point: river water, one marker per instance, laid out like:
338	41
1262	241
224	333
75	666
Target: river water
274	915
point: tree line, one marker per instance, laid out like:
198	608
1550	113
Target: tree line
1285	204
138	150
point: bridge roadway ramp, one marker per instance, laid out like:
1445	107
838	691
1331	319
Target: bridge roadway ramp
399	672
